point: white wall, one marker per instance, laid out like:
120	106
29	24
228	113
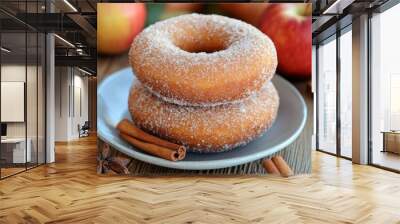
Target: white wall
33	127
62	82
71	93
81	103
12	73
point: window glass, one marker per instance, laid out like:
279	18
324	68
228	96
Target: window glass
385	89
346	94
327	96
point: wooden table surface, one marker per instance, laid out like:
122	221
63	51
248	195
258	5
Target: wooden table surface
108	65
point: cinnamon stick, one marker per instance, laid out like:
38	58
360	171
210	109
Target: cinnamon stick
127	127
160	151
282	166
270	167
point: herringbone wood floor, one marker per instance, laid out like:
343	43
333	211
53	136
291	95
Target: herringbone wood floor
70	191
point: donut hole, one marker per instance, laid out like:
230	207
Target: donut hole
199	47
197	42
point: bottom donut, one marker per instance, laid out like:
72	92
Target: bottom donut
205	129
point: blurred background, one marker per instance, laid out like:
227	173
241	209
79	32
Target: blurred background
288	25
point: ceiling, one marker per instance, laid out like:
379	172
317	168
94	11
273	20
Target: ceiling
72	20
332	15
39	6
16	42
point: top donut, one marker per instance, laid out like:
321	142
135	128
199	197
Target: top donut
203	59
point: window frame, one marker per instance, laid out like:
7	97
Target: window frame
336	36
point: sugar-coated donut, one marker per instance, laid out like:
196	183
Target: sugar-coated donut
203	59
205	129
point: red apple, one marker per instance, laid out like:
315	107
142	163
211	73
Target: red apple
248	12
117	25
289	27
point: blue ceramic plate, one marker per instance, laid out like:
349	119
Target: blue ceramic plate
113	106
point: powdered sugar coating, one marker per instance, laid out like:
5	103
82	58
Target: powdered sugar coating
205	129
164	57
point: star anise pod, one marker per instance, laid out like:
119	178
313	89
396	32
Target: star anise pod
107	162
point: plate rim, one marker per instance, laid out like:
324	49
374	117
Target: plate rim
195	165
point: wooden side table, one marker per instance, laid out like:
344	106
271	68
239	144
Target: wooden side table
391	141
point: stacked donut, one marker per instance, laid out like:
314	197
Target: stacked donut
204	82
